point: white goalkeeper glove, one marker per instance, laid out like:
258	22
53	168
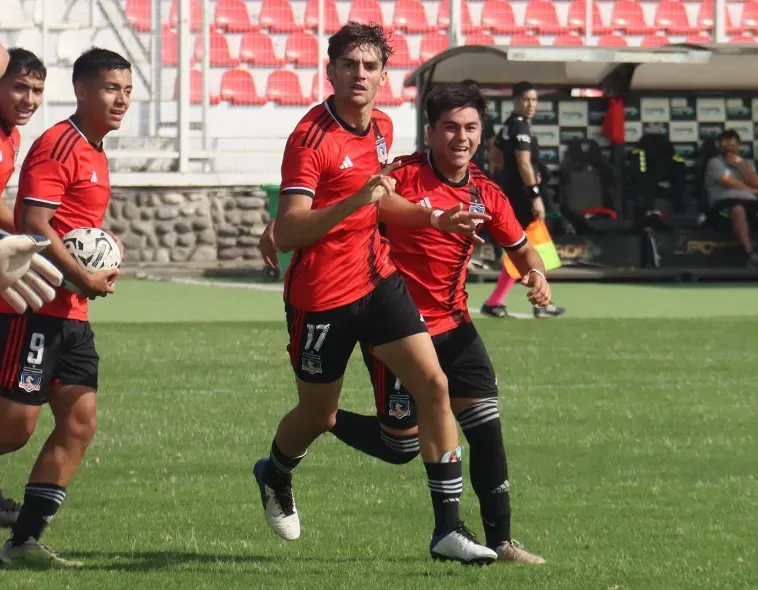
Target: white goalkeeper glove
26	278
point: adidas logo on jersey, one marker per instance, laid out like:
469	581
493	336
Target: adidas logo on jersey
425	202
94	177
346	163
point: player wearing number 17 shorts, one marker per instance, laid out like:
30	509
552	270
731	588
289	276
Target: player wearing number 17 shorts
341	288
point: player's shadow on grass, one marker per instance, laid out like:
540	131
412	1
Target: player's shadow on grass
157	560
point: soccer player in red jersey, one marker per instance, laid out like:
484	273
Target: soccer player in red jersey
49	356
342	288
433	264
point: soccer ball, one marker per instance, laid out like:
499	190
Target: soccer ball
94	250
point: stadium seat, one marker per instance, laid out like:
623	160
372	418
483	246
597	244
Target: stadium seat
283	88
257	49
432	44
577	18
402	57
367	11
524	39
277	17
542	17
480	38
139	13
671	17
627	17
568	40
196	89
232	16
169	47
705	22
238	88
409	94
196	15
410	16
385	97
443	17
749	19
219	56
327	88
699	39
302	50
612	41
742	40
331	17
655	41
498	18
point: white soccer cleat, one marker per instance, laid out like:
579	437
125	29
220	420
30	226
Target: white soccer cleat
460	545
279	506
33	554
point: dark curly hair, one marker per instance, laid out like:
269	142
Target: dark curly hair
355	34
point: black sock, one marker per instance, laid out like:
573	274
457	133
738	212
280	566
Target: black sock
489	468
278	471
446	486
41	502
364	434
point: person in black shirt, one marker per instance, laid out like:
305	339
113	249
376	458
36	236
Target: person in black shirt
514	165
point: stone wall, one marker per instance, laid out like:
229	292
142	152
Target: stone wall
194	226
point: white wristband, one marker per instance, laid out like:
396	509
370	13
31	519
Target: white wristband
435	218
534	270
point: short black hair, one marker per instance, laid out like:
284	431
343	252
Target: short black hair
446	97
25	63
522	88
355	34
730	134
470	82
93	61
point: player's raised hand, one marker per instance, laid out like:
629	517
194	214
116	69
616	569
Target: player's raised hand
378	185
539	293
268	246
457	221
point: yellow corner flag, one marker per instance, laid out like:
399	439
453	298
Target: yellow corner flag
539	237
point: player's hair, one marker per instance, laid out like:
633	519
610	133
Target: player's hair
93	61
355	34
446	97
25	63
729	134
522	88
470	82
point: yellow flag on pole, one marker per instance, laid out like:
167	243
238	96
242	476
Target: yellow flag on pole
539	237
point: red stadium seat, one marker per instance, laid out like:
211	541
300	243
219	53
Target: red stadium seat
671	16
328	90
655	41
498	18
402	57
302	50
443	17
257	49
480	39
628	18
409	94
232	16
524	39
542	17
366	11
742	40
699	39
577	18
169	47
705	19
331	17
749	20
196	89
385	96
277	17
611	41
568	40
410	16
139	13
432	44
219	50
196	15
283	88
238	87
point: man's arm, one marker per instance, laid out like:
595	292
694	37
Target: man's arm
717	170
6	216
748	173
525	168
526	258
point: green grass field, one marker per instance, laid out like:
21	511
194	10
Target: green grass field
631	426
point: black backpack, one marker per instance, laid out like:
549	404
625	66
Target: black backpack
657	176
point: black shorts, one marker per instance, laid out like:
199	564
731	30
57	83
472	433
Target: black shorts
321	342
39	351
521	203
463	359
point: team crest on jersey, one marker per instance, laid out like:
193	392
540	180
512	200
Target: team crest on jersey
381	151
31	380
477	208
311	363
400	406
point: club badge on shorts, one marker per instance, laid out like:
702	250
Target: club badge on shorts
311	363
400	406
31	380
381	151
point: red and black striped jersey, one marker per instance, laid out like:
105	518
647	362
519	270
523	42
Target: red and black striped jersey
432	262
65	172
328	160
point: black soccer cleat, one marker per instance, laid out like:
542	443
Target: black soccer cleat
551	310
9	511
495	311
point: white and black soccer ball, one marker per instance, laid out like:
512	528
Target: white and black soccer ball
94	250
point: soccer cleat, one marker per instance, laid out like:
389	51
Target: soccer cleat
279	506
9	511
514	551
752	260
551	310
495	311
460	545
33	554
